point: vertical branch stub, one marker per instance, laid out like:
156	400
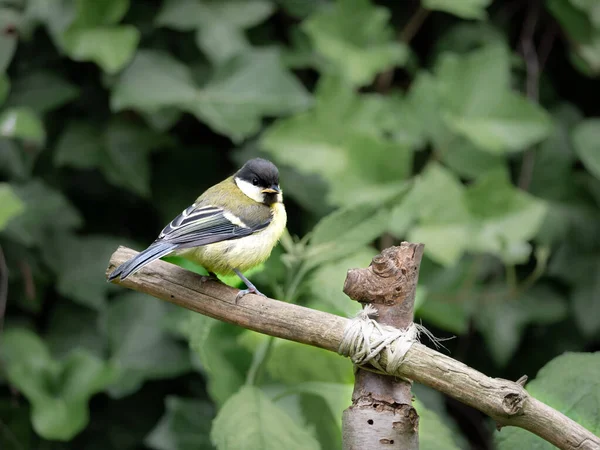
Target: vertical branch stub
381	415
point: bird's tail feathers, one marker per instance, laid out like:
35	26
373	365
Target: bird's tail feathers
155	251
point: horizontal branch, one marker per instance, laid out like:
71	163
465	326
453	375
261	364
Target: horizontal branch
507	402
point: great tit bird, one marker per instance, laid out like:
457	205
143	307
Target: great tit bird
232	227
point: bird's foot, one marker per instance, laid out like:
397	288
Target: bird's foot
251	290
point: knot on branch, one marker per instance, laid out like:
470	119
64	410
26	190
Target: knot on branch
391	277
513	400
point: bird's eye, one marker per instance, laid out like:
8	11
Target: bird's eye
255	181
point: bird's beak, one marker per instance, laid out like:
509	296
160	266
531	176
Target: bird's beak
272	190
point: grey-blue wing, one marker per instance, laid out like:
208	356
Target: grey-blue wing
195	226
202	225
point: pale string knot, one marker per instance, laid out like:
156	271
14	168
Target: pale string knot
365	341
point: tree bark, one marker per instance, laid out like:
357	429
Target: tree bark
381	416
507	402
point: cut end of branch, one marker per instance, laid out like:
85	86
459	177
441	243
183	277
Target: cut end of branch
391	279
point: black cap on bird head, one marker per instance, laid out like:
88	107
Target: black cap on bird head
259	172
263	176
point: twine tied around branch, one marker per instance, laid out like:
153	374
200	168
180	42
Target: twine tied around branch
365	341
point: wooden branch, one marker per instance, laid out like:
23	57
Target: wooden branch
381	415
507	402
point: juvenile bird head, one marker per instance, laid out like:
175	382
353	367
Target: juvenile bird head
259	180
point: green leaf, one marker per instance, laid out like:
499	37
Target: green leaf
184	426
584	296
259	424
437	200
293	363
41	91
583	32
438	197
342	140
139	349
466	9
466	160
506	217
328	279
568	384
471	85
502	319
345	231
222	360
46	211
4	87
22	123
59	391
79	146
245	89
10	205
154	80
434	434
91	13
72	327
9	19
515	124
220	25
127	162
109	47
80	263
586	141
356	40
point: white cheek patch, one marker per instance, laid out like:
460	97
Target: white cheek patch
254	192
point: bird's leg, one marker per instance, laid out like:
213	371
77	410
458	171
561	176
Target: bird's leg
251	288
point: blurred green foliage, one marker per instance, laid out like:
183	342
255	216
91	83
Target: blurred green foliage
469	125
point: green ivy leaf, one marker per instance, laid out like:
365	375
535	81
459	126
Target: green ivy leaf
219	25
356	40
327	280
342	141
515	124
506	217
583	31
4	87
22	123
80	276
221	359
293	363
586	141
79	146
345	231
139	349
72	327
127	149
259	424
434	434
245	89
41	91
111	47
584	296
465	159
91	13
10	205
502	319
466	9
46	211
9	17
59	391
438	202
568	384
184	426
154	80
